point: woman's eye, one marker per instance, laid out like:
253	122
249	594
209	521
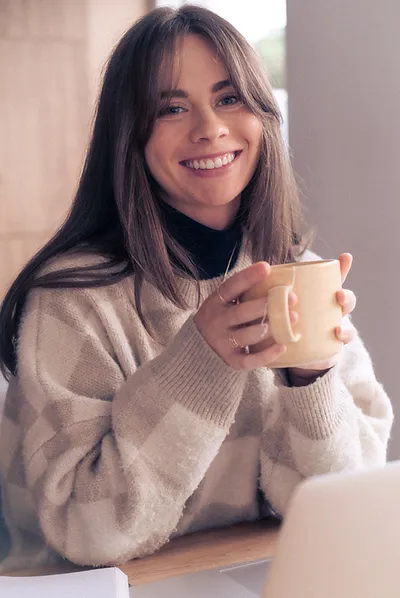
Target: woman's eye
171	111
229	100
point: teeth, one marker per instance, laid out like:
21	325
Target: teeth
211	164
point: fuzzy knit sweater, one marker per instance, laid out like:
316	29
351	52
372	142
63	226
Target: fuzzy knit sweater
113	442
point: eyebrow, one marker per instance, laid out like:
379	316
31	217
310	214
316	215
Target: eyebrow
180	93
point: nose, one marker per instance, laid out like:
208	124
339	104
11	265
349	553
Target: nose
208	126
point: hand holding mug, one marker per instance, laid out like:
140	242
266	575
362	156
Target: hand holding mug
314	333
251	322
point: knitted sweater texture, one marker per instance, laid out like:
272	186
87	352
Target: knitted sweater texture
113	442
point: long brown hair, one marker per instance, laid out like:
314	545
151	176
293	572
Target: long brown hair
116	211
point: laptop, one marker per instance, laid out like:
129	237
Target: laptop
340	539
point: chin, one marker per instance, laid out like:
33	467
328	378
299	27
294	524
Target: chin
217	200
214	203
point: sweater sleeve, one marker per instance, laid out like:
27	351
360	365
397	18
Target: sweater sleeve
341	422
111	459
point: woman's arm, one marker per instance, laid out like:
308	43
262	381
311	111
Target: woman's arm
111	461
340	422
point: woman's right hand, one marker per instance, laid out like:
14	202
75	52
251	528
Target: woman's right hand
229	327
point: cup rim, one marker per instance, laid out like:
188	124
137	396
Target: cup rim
303	264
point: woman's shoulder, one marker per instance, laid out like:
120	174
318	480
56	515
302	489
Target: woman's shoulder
81	272
75	260
76	281
70	302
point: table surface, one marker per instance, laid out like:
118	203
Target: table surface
241	543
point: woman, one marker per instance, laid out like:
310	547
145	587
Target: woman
135	412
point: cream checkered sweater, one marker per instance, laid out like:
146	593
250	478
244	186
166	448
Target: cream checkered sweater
112	442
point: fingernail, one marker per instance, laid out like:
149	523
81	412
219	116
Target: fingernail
264	330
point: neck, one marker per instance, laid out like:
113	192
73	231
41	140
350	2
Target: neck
209	248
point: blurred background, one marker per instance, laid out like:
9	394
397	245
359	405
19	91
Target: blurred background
334	68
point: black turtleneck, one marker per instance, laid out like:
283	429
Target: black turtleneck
210	249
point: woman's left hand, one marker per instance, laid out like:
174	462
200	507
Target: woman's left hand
301	376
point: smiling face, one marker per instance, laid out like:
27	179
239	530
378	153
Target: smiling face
205	144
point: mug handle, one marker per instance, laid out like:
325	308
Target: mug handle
278	315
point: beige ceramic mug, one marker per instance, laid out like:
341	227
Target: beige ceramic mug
313	337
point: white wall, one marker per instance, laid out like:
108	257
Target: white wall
106	23
344	129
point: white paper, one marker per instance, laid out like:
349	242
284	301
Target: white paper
97	583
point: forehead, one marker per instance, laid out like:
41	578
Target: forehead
194	63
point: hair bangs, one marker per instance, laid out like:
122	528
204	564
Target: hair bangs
169	72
